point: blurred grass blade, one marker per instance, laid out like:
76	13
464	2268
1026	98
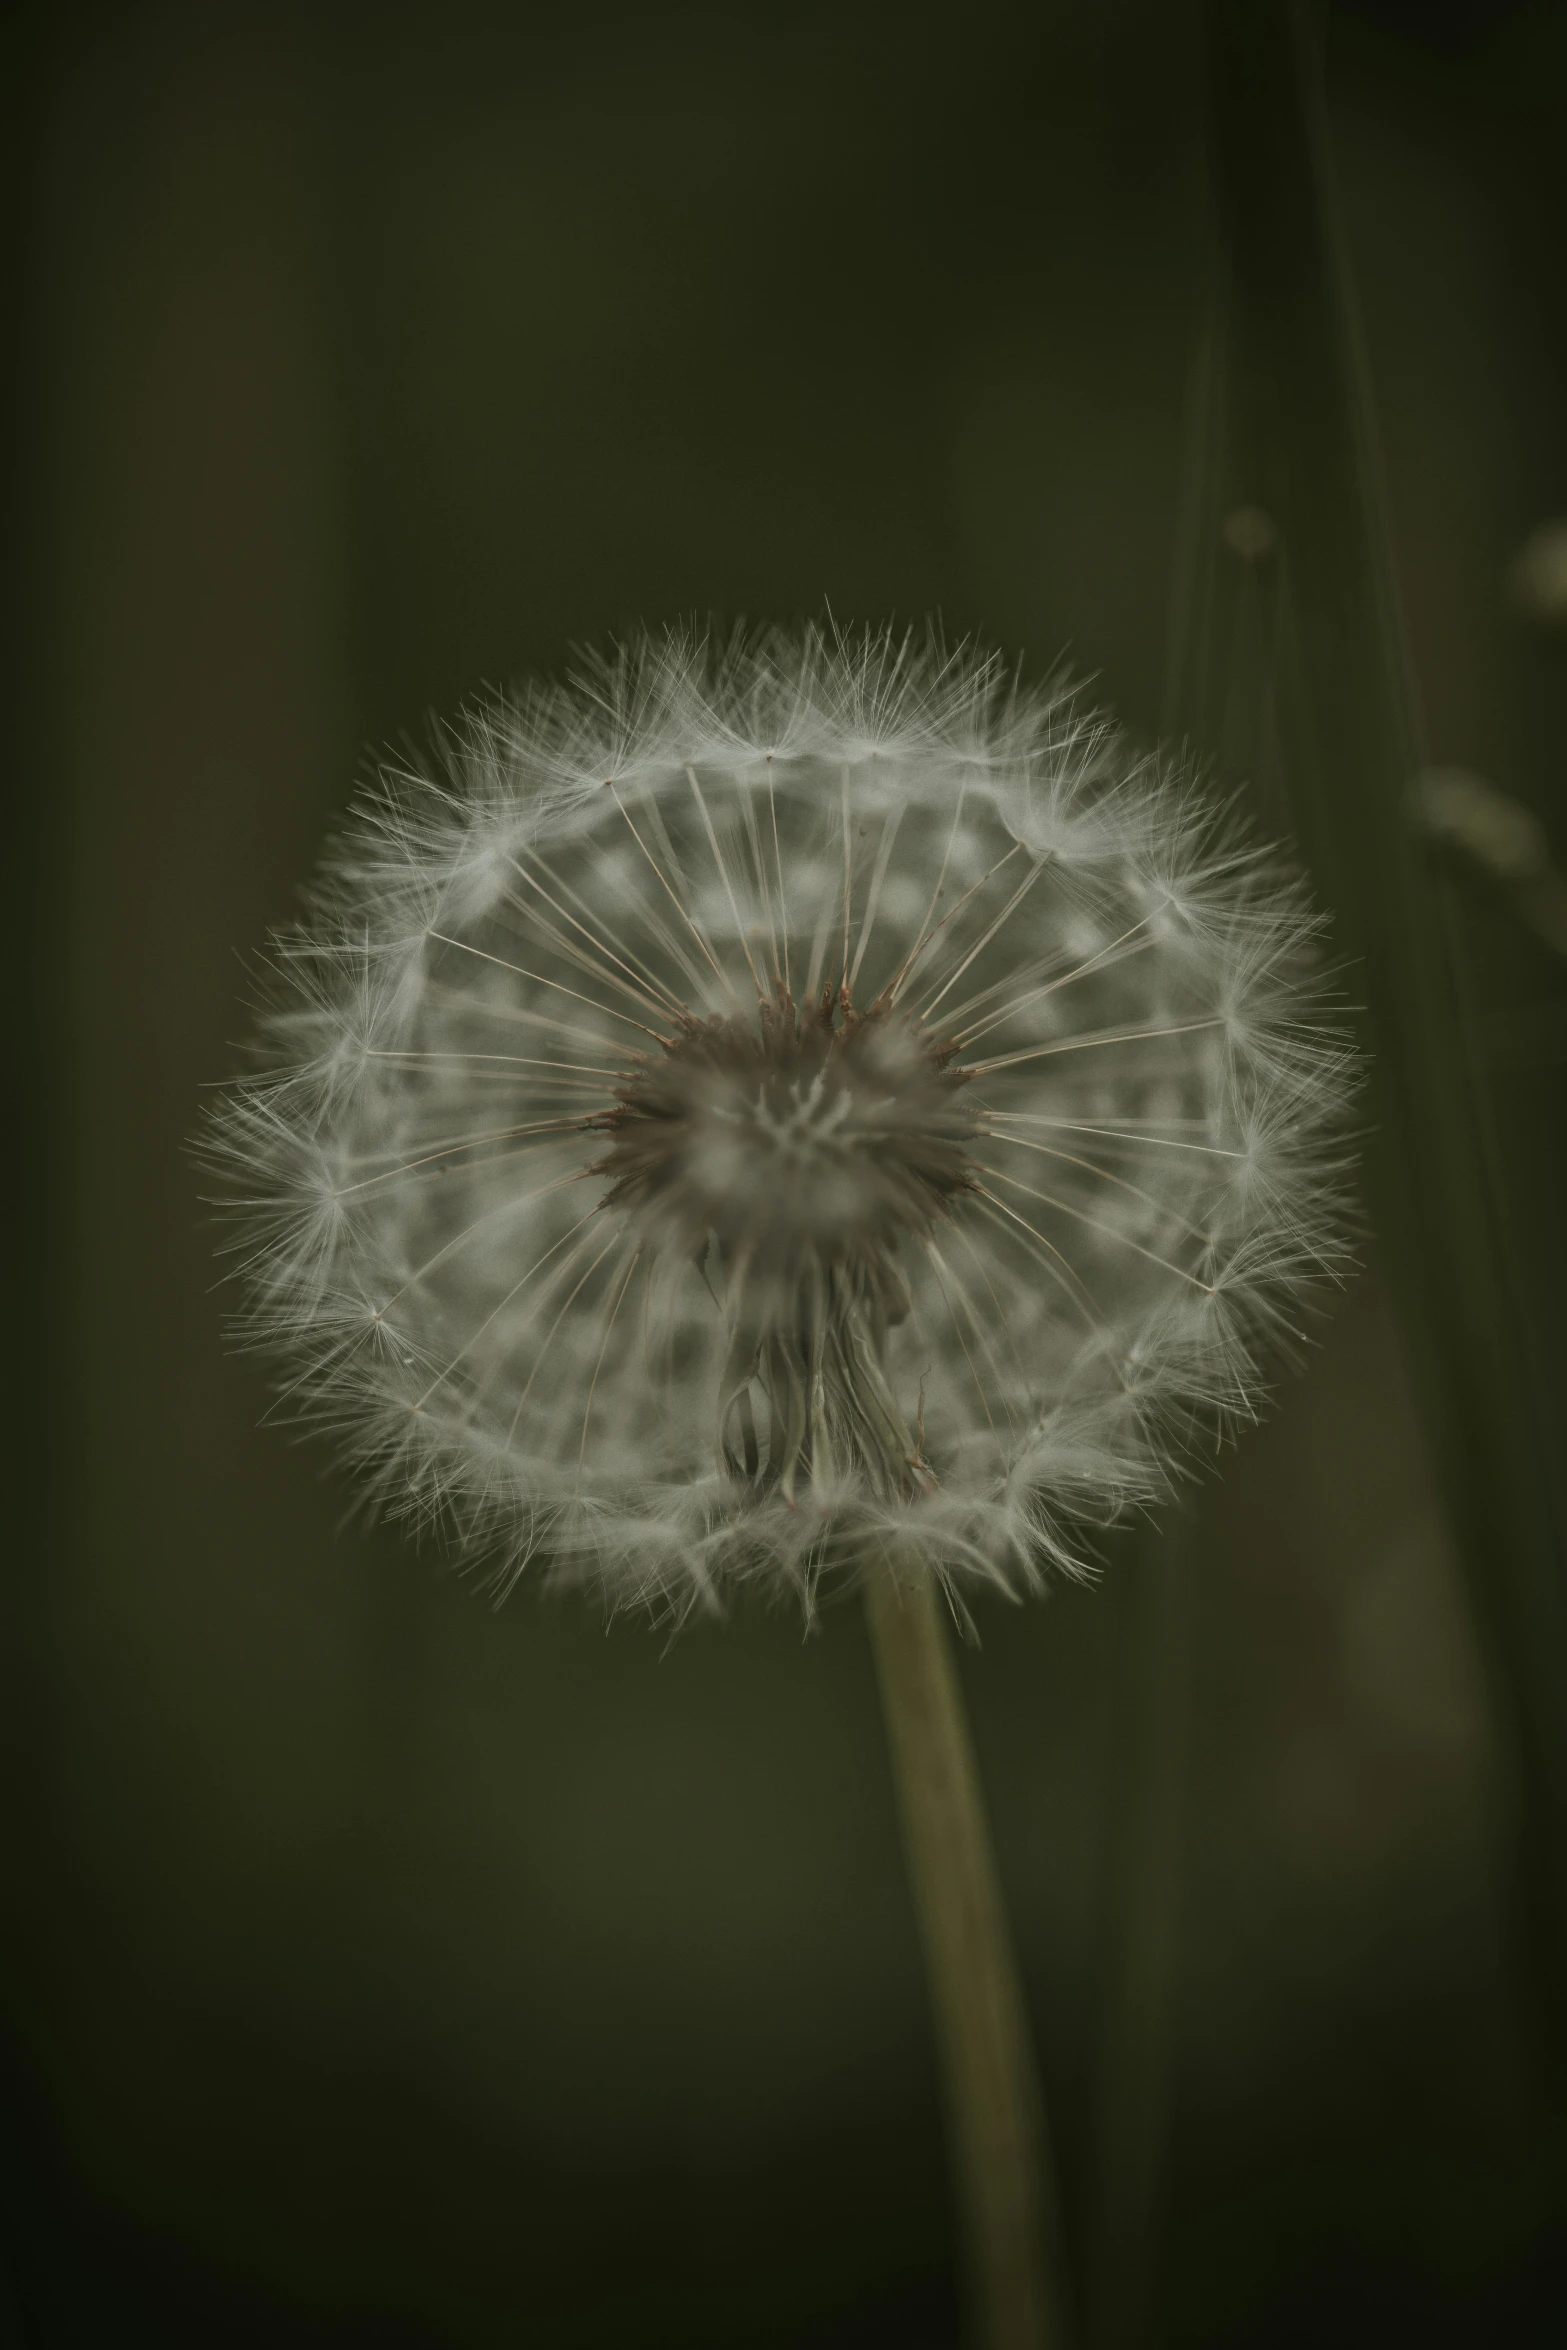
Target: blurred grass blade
1297	448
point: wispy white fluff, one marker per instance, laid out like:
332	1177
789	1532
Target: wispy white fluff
1121	988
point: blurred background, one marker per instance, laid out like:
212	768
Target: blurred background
381	1968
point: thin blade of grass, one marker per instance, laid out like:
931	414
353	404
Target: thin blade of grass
1296	443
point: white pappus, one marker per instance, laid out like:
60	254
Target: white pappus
778	1106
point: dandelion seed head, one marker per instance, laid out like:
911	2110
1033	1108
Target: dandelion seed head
758	1108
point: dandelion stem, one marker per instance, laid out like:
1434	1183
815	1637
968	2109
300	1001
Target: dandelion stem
1142	1939
1003	2155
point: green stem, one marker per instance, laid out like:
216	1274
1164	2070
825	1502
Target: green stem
1006	2180
1141	1945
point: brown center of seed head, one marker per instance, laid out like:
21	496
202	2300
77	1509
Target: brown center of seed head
788	1154
828	1130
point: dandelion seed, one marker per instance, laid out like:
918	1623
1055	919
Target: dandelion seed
758	1109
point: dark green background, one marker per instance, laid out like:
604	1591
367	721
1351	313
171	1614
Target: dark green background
384	1969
